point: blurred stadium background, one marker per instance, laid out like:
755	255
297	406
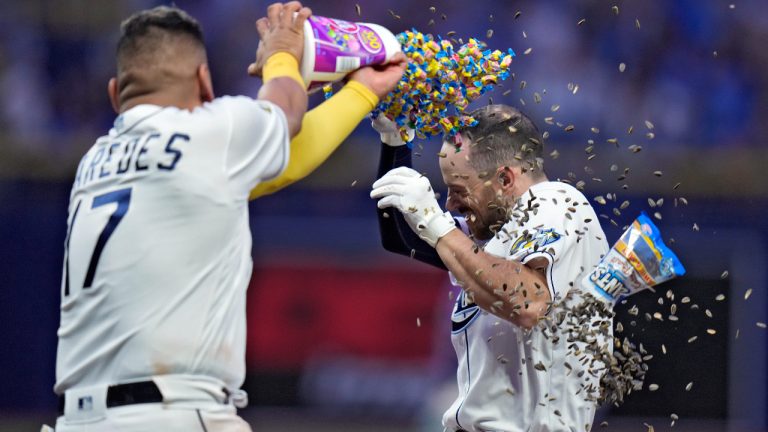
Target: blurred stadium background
343	336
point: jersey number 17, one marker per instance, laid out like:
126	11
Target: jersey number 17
123	199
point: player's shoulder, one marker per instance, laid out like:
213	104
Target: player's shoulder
550	205
240	103
548	190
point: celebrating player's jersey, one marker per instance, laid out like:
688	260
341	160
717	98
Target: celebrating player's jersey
158	250
499	361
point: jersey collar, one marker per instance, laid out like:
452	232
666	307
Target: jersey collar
128	119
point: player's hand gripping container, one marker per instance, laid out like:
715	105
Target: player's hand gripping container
333	48
639	260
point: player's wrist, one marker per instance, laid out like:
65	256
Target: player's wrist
389	133
435	228
363	92
282	64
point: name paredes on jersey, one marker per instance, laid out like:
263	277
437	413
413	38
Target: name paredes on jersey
151	152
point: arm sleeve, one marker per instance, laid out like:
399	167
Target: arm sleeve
323	129
258	146
396	235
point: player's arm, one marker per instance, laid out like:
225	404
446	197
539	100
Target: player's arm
282	43
395	234
323	130
508	289
325	127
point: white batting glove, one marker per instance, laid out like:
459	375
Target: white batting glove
408	191
388	131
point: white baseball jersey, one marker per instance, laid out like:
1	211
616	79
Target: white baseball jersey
515	380
158	250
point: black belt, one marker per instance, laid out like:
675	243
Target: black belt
127	394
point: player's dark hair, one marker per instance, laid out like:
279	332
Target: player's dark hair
145	29
504	136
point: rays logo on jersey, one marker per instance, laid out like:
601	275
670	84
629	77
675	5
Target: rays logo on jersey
464	312
534	242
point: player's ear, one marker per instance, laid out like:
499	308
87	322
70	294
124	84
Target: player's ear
205	83
114	97
505	177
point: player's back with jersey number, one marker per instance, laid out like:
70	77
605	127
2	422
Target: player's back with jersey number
157	255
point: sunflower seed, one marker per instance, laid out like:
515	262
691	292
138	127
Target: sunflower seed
517	14
689	386
622	67
720	297
747	293
653	387
581	21
711	331
724	275
489	33
760	324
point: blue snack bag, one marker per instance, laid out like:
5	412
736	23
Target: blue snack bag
639	260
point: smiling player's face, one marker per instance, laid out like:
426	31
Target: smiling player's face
473	197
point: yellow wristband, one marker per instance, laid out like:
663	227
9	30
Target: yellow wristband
282	64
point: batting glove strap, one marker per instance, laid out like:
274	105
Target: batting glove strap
433	229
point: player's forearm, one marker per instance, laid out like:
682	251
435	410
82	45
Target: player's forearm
323	130
396	236
507	289
284	87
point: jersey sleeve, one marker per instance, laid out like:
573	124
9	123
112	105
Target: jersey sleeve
259	142
549	234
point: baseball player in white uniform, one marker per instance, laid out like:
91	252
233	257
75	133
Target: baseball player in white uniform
158	249
526	242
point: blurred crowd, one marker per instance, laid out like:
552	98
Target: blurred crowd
697	69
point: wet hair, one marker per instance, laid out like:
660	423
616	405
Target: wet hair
144	33
504	136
